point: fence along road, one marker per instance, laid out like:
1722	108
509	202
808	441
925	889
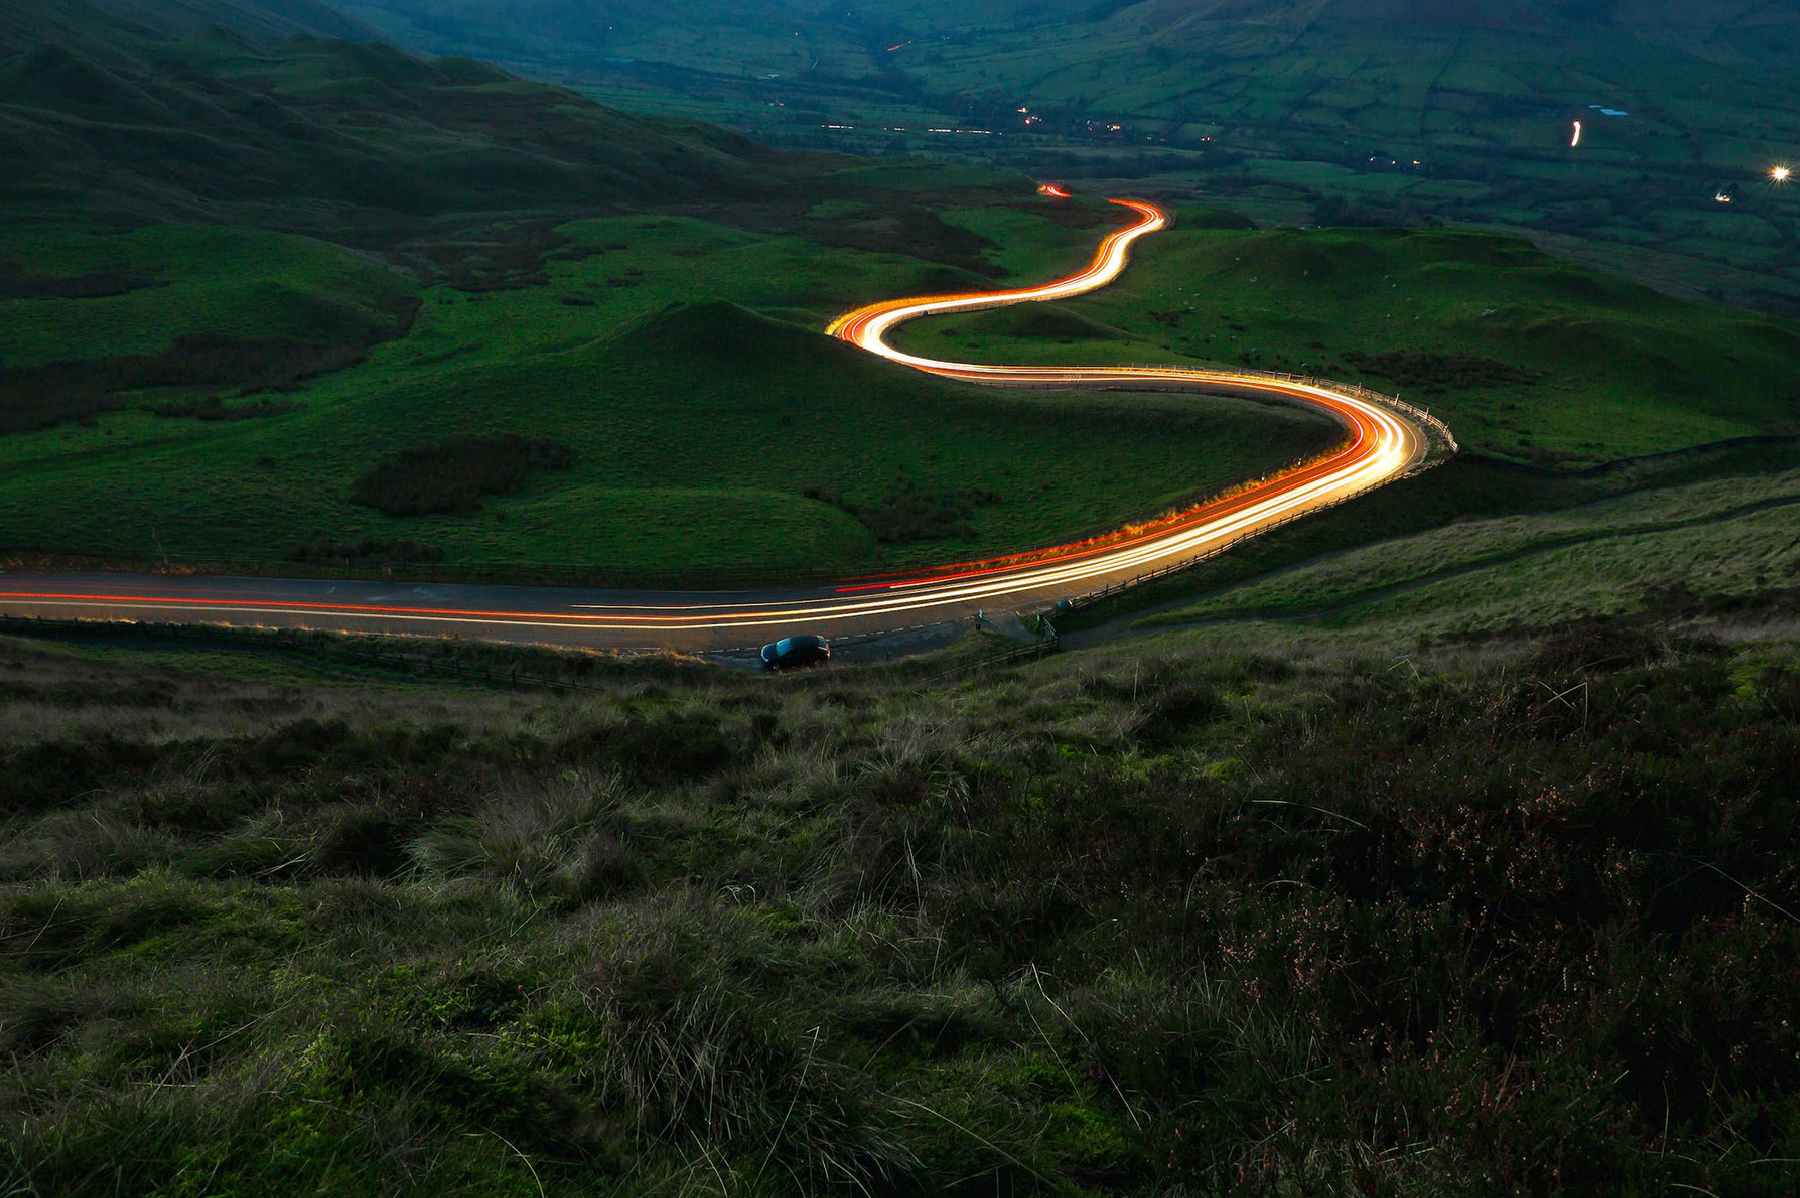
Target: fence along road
1386	440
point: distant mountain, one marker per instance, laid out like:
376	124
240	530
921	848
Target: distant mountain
889	44
770	35
25	24
571	27
260	19
236	110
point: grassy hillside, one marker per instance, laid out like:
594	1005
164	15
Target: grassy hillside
356	141
297	275
1515	918
1696	533
116	25
1483	548
264	20
1624	451
227	392
1526	356
1444	843
705	438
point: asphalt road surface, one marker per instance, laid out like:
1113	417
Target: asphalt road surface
1384	442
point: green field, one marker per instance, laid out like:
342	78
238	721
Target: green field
714	434
1597	419
1482	547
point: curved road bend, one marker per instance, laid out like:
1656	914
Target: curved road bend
1382	444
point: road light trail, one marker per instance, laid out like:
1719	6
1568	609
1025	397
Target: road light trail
1380	445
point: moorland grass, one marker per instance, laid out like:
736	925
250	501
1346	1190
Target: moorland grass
1255	922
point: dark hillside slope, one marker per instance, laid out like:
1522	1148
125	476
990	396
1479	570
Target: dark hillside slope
125	121
260	19
28	23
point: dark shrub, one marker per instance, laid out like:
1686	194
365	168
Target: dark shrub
363	841
1438	372
213	409
452	476
326	550
909	513
669	747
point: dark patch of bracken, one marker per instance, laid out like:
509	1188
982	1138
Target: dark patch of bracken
451	477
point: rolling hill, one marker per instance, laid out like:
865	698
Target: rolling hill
264	20
242	276
144	118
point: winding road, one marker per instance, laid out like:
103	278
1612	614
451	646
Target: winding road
1383	443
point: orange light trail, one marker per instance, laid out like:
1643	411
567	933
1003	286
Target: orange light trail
1380	446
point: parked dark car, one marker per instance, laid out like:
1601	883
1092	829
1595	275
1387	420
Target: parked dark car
796	653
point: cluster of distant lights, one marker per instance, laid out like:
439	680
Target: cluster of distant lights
837	128
1779	174
1030	120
